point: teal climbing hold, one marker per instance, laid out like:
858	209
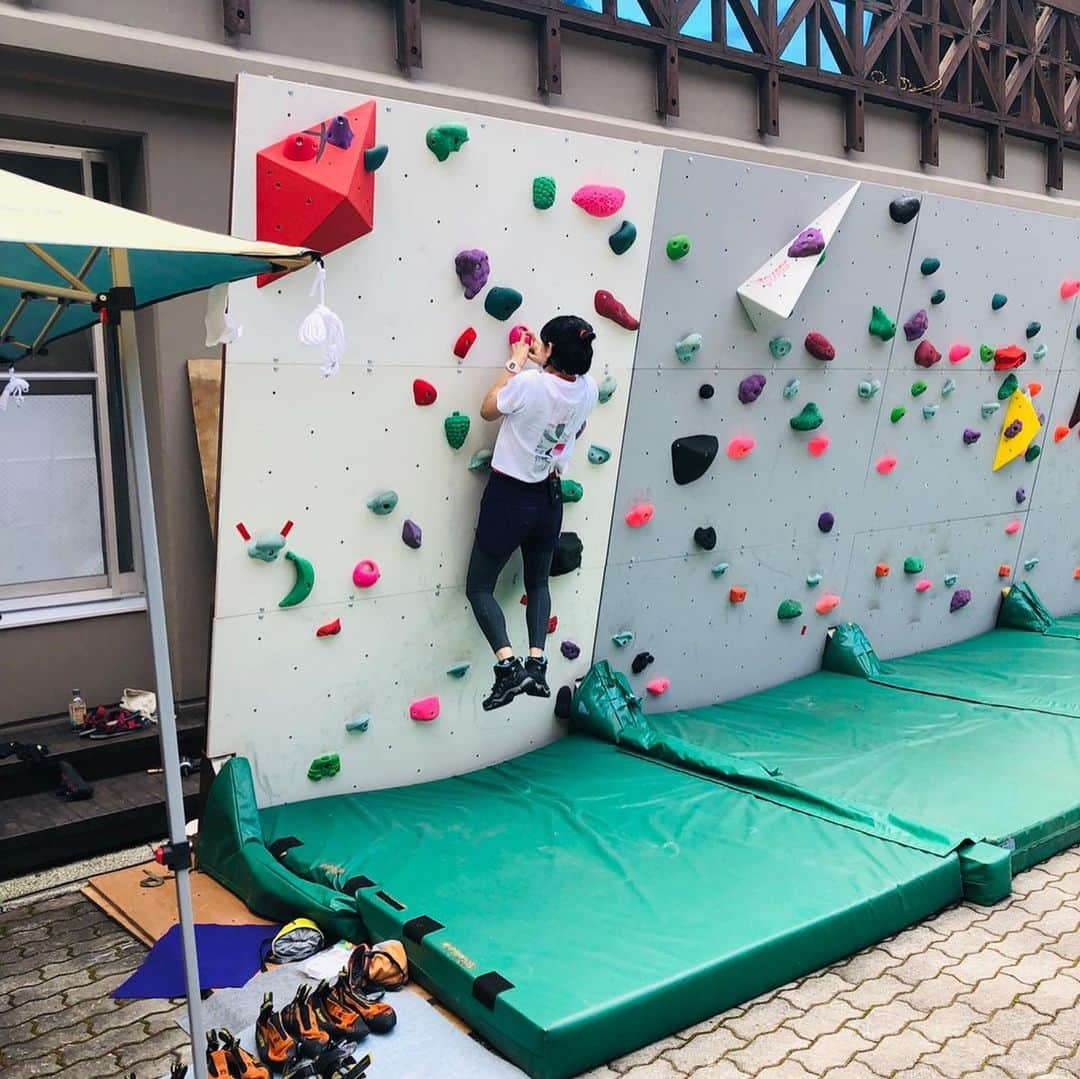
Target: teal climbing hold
986	353
543	192
929	266
1033	451
989	409
1030	564
813	580
809	419
621	640
918	388
913	564
607	389
1008	387
929	411
374	156
998	301
948	386
779	347
622	239
599	455
480	461
383	503
1039	353
788	610
678	247
869	389
688	347
897	414
572	491
266	548
359	725
937	296
501	302
949	580
1032	329
720	569
791	389
446	139
458	670
456	427
881	325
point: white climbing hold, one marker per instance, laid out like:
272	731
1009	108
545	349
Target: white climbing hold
792	388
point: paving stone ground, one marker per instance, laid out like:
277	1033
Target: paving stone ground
988	992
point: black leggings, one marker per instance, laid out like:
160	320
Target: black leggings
512	515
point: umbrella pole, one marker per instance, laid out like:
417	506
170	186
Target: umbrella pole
120	335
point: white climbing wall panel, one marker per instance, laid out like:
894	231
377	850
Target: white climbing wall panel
300	447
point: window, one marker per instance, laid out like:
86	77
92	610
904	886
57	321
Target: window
66	517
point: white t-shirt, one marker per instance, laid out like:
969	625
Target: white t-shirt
542	417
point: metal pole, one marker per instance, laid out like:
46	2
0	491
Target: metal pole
123	337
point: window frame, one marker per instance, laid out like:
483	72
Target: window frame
112	584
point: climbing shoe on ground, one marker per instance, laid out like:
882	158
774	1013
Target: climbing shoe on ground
536	668
378	1016
73	788
31	752
334	1015
217	1057
301	1068
377	967
299	1019
242	1065
275	1044
338	1063
511	681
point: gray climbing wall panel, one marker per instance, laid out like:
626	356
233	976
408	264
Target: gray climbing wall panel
941	502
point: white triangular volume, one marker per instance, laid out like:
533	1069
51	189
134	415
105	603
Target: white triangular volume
774	290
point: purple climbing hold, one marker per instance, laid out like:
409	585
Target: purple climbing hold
411	534
826	521
570	650
960	598
1021	495
917	325
340	133
472	270
971	436
1013	429
809	242
750	388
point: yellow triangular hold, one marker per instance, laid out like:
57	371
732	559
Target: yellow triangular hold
1020	408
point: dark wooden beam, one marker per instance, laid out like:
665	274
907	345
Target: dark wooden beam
237	15
769	102
995	152
407	19
928	137
549	41
667	81
1055	165
855	121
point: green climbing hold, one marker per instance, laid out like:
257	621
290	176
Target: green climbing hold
621	640
986	353
446	139
543	192
809	419
599	455
607	390
998	301
913	564
881	325
688	347
1032	329
456	427
502	302
788	610
937	296
458	670
929	411
329	764
779	347
1010	384
622	239
480	461
989	409
1033	451
678	247
929	266
572	491
949	580
918	387
1030	564
1039	353
720	569
897	414
813	580
383	503
359	725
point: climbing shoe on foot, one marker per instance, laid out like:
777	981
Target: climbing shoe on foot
334	1014
242	1065
536	669
510	681
275	1044
299	1019
378	1016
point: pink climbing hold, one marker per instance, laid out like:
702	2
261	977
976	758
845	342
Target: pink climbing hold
1069	289
365	573
828	602
817	445
640	514
658	686
885	464
959	352
924	585
424	710
738	448
1012	528
599	200
518	332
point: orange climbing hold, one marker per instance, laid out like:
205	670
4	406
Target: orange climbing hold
738	448
817	445
424	710
1076	574
640	515
885	464
737	595
881	570
658	686
828	602
1004	570
1061	432
1034	389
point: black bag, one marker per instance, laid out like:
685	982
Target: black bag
567	557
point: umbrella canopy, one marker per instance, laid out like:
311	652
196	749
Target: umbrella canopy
54	261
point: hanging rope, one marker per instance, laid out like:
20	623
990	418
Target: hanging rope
15	388
323	327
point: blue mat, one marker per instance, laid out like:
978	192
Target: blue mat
228	957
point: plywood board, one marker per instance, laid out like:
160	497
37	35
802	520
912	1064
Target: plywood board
204	379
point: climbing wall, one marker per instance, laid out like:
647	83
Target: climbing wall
876	510
312	450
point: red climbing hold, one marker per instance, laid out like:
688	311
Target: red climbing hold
463	344
1005	359
300	147
925	354
607	306
881	570
331	629
736	595
1034	389
240	527
423	392
1061	432
424	710
817	445
819	346
658	686
885	464
553	623
640	515
1069	289
1004	570
738	448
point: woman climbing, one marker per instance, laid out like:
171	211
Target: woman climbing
543	409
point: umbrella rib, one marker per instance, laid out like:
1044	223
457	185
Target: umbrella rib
59	268
19	308
58	310
48	292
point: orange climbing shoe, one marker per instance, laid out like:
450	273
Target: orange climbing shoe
338	1063
275	1044
299	1020
217	1057
336	1016
377	1016
242	1065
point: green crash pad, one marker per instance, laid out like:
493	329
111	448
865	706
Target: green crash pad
1021	608
577	902
933	773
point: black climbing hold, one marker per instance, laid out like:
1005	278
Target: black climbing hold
563	700
903	209
705	391
705	538
691	457
641	661
567	556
